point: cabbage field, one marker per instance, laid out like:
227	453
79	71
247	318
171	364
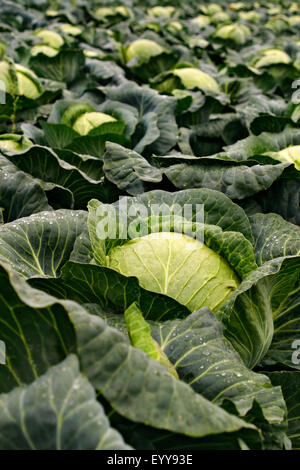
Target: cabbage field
149	225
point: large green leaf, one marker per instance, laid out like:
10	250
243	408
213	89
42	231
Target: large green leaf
59	411
284	198
64	67
143	437
209	364
124	112
128	378
20	194
285	298
264	309
218	209
290	384
105	70
81	175
266	142
95	145
141	389
236	181
128	170
36	332
274	237
39	245
58	135
156	129
87	283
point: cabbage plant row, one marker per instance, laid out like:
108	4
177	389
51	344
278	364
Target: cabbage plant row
149	225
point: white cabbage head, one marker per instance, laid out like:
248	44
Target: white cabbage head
88	121
28	84
201	21
289	154
195	78
14	143
176	265
162	12
272	57
142	49
51	38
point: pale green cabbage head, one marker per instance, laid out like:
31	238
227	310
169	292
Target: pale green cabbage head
50	38
102	13
272	57
176	265
294	20
237	33
122	10
70	29
195	78
28	84
52	13
252	16
294	7
142	49
289	154
44	49
278	24
14	143
237	6
212	8
201	21
91	54
88	121
83	118
174	26
220	17
162	12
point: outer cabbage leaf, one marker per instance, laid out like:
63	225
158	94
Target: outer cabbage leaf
262	314
39	245
290	384
68	417
20	194
157	129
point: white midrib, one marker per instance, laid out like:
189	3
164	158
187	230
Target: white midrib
167	270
